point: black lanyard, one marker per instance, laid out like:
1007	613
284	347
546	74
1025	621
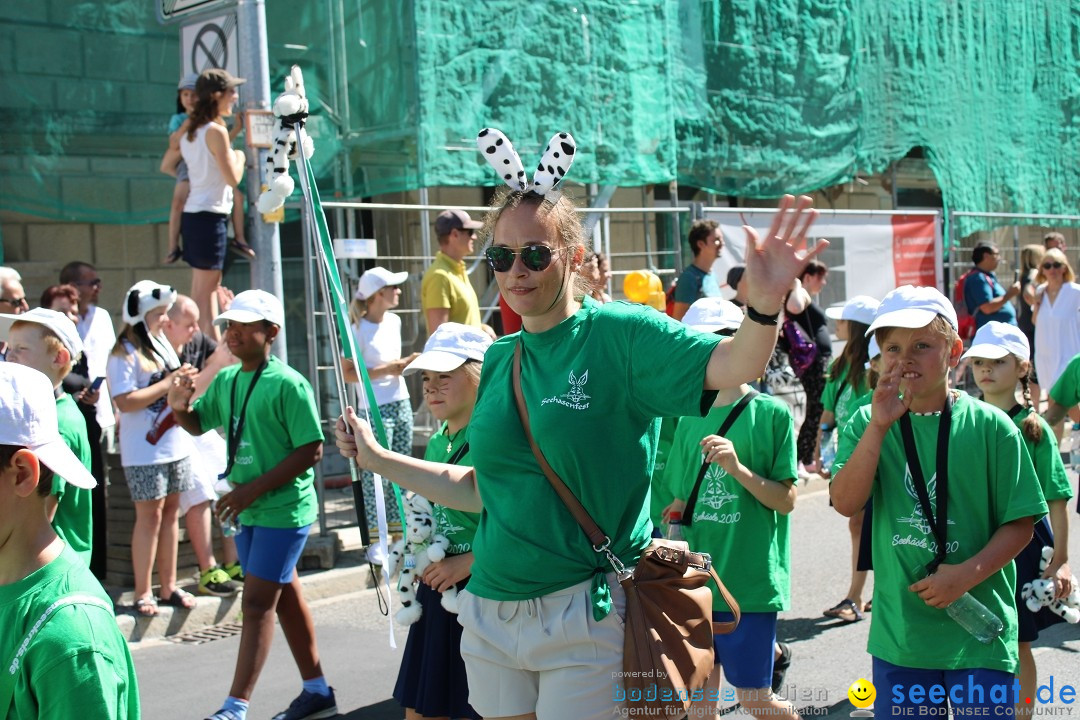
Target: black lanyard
1015	410
460	453
233	438
940	524
691	501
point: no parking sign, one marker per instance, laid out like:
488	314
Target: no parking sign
209	43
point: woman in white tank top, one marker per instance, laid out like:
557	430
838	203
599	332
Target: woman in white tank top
214	170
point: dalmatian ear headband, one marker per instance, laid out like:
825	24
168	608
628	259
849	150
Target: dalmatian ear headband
556	161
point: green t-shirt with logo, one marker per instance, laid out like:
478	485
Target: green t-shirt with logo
843	401
1046	457
458	526
991	482
749	543
281	416
74	519
78	664
1066	390
595	386
659	494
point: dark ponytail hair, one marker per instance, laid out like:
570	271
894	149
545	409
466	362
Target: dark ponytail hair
205	111
851	365
1031	427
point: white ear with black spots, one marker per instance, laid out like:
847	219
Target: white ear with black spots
500	154
556	161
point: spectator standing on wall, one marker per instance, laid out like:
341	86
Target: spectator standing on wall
706	242
986	299
98	335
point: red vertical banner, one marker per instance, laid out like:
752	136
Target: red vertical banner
913	250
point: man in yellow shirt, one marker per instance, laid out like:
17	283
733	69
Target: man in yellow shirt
446	295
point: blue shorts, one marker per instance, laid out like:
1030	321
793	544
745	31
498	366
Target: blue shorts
972	689
270	553
747	654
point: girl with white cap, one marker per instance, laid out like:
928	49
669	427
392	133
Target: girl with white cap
432	681
1001	359
846	383
153	450
377	334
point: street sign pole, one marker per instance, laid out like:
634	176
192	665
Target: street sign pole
254	65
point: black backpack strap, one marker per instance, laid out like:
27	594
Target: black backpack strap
691	500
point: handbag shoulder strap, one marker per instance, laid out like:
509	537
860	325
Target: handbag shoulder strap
581	515
691	500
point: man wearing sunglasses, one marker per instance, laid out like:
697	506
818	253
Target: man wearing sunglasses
12	297
96	330
706	242
446	295
986	299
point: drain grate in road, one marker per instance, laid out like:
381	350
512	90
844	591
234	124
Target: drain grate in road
208	634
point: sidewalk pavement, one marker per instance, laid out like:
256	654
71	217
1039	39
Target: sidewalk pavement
350	572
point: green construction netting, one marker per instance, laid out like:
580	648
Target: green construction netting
742	97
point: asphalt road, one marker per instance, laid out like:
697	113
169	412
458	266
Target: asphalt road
186	682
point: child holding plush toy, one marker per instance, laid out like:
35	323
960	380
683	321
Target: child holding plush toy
431	681
1001	358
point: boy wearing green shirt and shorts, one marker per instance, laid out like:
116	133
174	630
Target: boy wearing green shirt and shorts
274	439
61	653
955	496
48	341
739	515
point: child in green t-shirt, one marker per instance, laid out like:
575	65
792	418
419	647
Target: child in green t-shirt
845	383
952	507
1065	394
274	440
58	632
48	341
1001	358
739	515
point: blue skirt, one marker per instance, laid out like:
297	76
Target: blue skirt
432	678
1027	569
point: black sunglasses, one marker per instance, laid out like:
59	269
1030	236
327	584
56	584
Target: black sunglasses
1055	265
533	257
15	302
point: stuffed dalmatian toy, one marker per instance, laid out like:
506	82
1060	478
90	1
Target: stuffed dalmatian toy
420	547
1040	593
291	109
501	155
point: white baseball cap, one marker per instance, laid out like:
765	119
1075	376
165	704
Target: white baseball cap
143	297
873	349
376	279
28	419
449	347
997	339
860	308
912	307
251	306
710	314
58	323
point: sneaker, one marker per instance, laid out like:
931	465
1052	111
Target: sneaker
235	571
216	581
310	706
223	714
780	667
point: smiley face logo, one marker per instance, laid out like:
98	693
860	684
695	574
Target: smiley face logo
862	693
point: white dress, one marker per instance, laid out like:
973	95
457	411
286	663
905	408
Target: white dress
1057	332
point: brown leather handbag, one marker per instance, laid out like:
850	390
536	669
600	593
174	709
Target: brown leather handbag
668	646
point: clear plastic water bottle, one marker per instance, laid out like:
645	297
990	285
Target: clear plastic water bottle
229	528
828	449
674	526
976	618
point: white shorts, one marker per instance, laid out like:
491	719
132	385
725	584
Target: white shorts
547	655
207	462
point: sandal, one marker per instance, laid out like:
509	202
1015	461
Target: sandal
179	599
845	610
173	256
146	606
867	607
242	249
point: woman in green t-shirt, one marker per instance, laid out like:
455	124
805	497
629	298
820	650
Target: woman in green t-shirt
539	633
431	681
1001	360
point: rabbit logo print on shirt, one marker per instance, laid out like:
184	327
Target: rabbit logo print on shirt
576	398
918	521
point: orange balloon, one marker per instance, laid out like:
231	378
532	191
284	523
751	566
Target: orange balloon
640	286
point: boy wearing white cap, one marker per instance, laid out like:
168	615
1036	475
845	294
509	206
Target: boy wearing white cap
955	496
274	440
48	341
735	506
63	655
